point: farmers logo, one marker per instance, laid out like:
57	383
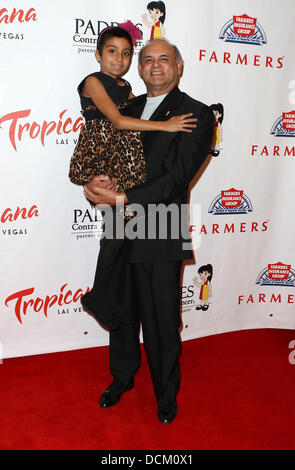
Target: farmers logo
274	275
284	125
277	274
231	201
243	29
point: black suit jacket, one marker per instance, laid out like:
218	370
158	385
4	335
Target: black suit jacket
172	161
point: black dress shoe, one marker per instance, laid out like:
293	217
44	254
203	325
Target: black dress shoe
167	415
112	397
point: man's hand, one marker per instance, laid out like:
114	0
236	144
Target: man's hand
102	181
101	191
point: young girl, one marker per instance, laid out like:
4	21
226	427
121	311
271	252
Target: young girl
157	11
105	146
205	272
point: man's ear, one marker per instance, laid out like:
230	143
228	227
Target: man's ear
139	69
180	68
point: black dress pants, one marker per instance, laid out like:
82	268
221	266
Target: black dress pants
155	302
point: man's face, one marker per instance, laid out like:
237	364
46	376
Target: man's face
158	68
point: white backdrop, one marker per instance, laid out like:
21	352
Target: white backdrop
49	233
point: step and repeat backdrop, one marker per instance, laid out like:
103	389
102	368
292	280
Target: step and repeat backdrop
239	58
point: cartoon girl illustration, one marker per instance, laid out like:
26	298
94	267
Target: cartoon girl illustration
218	115
205	272
157	12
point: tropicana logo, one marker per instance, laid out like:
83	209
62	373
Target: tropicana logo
35	130
23	301
23	213
17	15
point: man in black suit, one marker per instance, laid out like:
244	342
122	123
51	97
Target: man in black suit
145	283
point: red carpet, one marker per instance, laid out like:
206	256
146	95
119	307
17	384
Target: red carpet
237	393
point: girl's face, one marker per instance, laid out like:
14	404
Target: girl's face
217	114
204	275
155	14
115	58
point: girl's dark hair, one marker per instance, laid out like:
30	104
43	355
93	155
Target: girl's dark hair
208	268
159	6
218	107
109	32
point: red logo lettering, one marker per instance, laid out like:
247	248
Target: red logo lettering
244	25
19	15
9	215
38	130
23	301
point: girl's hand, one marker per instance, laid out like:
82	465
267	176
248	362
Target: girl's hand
183	123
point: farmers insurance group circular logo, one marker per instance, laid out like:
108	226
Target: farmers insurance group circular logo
284	126
231	201
274	275
277	274
243	29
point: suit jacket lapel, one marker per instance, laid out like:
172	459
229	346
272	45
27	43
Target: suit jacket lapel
162	113
165	108
136	106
